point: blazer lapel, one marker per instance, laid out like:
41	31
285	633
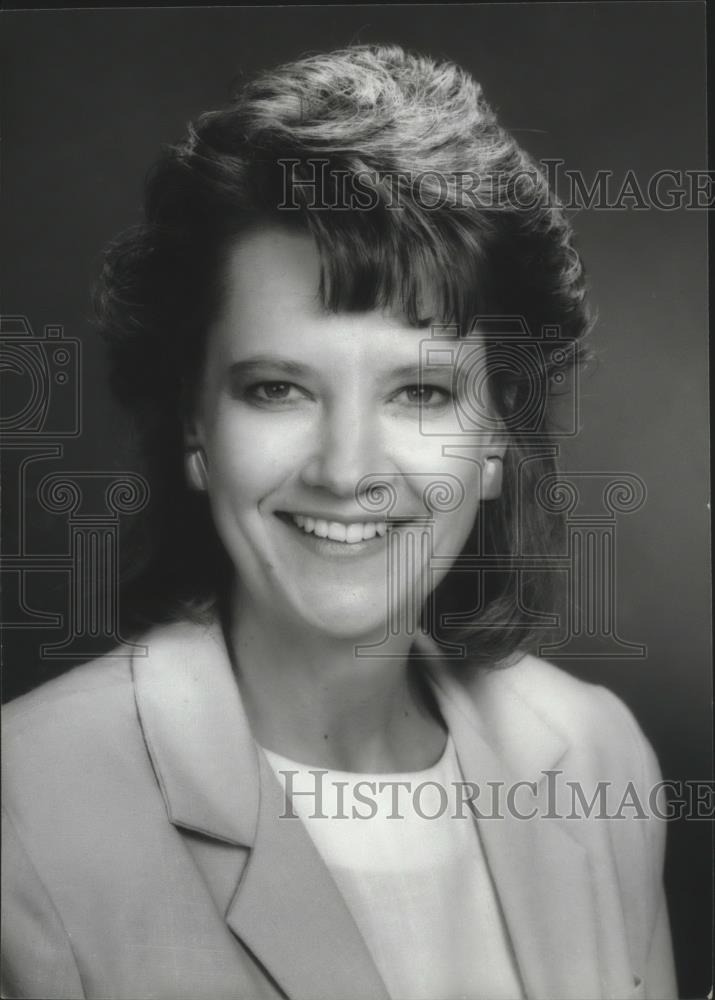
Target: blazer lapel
540	872
289	912
286	908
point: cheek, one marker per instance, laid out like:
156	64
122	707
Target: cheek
249	455
421	459
455	488
459	519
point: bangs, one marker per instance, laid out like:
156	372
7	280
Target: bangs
385	261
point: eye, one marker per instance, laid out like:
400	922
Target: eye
430	397
274	393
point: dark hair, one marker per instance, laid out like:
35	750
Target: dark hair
439	193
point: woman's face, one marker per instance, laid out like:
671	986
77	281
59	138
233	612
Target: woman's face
299	412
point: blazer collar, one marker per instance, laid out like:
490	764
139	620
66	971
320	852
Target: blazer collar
287	909
196	731
207	762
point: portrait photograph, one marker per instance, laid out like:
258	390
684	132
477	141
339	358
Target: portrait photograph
356	545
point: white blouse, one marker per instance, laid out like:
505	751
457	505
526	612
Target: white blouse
405	852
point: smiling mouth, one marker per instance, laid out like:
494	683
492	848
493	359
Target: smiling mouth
336	531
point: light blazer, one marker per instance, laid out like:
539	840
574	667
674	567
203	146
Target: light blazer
144	857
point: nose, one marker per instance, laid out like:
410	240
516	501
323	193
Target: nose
349	447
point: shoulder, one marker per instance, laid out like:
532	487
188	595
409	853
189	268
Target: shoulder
67	736
86	694
96	700
566	700
577	706
593	724
78	788
542	721
81	732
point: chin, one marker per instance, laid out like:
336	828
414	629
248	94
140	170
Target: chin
362	620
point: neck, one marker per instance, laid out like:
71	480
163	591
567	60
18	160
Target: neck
311	698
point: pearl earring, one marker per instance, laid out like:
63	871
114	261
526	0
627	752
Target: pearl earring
492	477
196	471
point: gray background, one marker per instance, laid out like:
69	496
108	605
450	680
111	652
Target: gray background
88	96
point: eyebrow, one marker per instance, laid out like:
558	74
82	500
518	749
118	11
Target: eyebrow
249	365
295	368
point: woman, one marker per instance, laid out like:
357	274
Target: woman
328	328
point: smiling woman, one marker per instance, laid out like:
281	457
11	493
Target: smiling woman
281	452
329	329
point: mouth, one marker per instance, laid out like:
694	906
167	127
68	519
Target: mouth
335	537
338	531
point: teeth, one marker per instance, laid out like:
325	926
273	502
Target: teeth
353	533
337	531
350	533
